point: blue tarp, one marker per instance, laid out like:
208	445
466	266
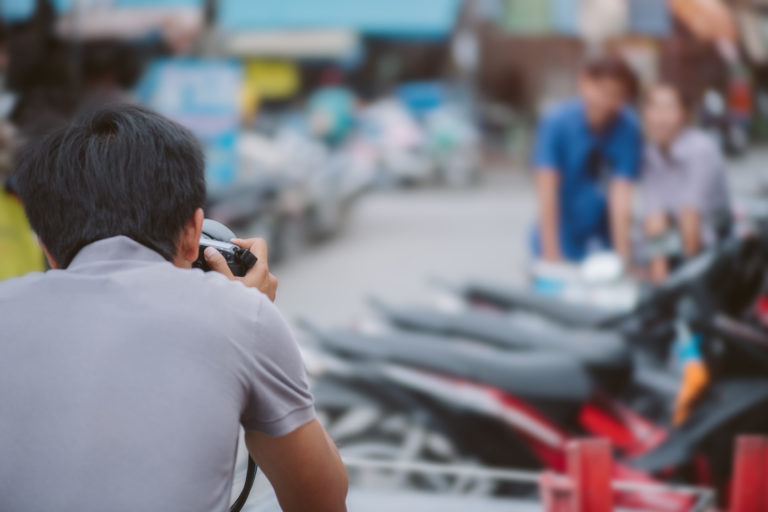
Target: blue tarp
389	18
422	97
202	94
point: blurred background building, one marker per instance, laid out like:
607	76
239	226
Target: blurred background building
506	59
398	91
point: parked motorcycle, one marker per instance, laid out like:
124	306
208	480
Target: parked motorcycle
482	396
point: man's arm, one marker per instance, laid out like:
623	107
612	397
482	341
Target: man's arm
690	230
304	468
707	163
547	189
627	162
656	226
303	465
620	202
545	164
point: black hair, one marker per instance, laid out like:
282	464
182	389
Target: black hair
118	170
614	67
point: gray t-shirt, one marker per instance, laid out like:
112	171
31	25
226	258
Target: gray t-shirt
692	175
124	381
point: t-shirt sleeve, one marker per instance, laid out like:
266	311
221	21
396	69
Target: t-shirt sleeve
649	202
630	155
278	397
652	200
545	147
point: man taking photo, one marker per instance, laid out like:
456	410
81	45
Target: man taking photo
586	157
124	374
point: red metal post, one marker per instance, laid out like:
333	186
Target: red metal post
556	492
590	467
749	491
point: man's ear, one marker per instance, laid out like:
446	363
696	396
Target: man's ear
51	261
189	240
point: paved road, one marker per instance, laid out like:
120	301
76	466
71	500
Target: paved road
394	242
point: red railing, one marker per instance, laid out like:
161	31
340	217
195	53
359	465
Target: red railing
588	485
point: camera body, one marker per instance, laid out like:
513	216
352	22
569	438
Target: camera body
218	236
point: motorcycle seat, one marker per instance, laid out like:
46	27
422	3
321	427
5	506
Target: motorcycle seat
568	313
535	375
598	349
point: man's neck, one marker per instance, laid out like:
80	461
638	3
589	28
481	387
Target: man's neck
599	127
181	262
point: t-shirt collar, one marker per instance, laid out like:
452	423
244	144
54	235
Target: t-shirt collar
117	248
677	149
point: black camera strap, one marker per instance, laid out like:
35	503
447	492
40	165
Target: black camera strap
250	477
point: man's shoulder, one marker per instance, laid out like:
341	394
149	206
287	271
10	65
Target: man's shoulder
206	301
563	112
16	285
562	120
164	285
696	140
219	293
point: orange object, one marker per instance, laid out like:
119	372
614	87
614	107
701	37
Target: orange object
710	20
695	381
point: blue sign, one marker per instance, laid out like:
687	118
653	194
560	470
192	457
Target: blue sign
204	96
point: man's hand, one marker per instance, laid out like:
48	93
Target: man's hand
655	227
620	208
689	221
258	277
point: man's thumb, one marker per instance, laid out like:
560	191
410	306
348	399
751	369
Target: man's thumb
217	262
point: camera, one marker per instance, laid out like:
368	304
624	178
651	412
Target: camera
218	236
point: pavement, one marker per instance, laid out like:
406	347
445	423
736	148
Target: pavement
396	242
363	500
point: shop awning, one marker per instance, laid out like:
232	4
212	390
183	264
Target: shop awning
291	44
387	18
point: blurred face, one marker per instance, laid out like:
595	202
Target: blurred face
603	98
663	115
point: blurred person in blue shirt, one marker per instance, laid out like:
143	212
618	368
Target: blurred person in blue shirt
587	156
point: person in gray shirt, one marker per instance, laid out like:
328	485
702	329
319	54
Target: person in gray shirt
125	375
683	184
